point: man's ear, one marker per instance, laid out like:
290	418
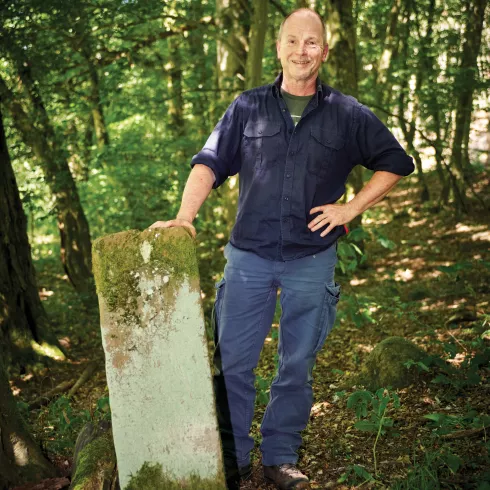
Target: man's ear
325	52
278	49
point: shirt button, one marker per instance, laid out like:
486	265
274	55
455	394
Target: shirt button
291	153
288	176
286	198
260	131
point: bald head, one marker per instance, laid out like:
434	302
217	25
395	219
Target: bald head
306	14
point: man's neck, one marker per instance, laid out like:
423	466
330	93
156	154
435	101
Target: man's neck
299	87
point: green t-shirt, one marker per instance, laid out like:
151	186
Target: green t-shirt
296	104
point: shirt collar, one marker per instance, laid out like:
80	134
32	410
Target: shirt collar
321	89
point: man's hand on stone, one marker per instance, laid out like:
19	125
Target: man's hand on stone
332	215
175	222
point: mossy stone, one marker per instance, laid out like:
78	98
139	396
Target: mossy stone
152	477
385	365
96	464
116	258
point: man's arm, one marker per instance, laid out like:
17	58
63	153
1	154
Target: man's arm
339	214
197	189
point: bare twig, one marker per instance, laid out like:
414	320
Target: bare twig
462	434
86	375
46	398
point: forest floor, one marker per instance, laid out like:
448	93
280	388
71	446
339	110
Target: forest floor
432	288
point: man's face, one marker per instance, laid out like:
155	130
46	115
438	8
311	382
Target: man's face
301	49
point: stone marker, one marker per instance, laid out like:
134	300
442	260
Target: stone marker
157	366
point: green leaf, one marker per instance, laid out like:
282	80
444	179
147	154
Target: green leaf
439	418
366	426
452	461
363	473
386	243
360	400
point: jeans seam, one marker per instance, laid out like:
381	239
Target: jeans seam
281	362
247	410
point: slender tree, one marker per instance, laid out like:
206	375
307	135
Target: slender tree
38	133
256	41
465	82
21	313
22	316
342	64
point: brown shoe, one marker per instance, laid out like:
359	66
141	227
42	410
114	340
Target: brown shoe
286	477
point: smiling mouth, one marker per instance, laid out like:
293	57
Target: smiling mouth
300	62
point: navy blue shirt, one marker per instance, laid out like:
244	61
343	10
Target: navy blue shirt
285	170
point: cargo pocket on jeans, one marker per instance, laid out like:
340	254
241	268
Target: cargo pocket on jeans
329	311
215	315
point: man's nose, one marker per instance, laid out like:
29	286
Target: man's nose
301	47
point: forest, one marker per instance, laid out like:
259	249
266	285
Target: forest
103	104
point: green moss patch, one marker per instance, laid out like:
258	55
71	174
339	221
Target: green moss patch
385	365
118	258
96	463
152	477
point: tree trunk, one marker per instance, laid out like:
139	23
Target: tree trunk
174	85
72	223
342	66
258	29
409	127
465	83
384	66
232	21
100	127
22	316
21	459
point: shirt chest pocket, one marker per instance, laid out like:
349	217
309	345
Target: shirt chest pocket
261	145
324	151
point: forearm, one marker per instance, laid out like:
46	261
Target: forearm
375	189
197	189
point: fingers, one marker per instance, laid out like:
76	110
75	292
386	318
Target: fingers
191	230
175	223
318	209
328	230
323	220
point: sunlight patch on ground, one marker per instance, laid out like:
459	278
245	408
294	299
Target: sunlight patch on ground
319	408
483	235
420	222
365	348
456	304
377	221
403	275
357	282
433	306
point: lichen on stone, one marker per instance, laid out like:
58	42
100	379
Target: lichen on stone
119	259
152	477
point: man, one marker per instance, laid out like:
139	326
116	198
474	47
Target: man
294	143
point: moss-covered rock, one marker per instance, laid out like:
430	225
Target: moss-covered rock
95	463
116	258
151	477
385	365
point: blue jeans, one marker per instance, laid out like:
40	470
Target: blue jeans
244	310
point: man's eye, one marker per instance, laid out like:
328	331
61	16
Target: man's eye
291	41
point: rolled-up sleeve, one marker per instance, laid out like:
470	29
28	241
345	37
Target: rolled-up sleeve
378	148
220	153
